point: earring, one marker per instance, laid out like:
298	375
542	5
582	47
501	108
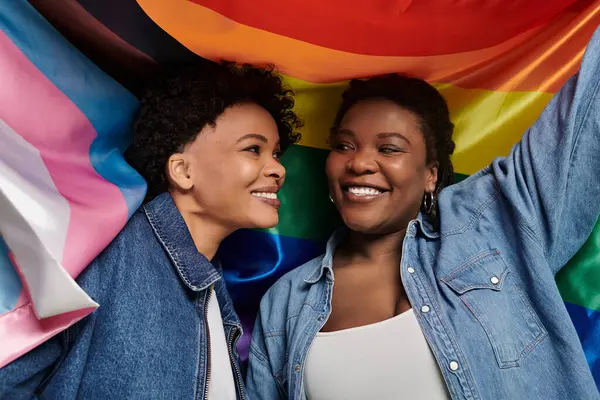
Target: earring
428	201
331	199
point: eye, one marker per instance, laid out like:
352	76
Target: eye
253	149
277	155
390	150
342	146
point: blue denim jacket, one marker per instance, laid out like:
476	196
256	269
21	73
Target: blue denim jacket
486	276
147	340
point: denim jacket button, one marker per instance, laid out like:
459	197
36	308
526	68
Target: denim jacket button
410	270
321	318
425	309
494	280
453	365
297	368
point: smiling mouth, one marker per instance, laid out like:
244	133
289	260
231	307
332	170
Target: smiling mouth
265	195
269	198
362	193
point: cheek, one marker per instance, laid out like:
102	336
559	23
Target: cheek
406	175
333	167
247	172
224	178
209	172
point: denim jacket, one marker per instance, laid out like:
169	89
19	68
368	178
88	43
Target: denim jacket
482	286
148	339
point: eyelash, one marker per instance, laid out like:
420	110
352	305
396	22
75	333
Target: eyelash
256	150
341	147
252	148
389	150
384	150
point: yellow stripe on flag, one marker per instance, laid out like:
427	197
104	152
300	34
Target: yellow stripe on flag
487	122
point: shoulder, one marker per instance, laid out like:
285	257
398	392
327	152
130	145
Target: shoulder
461	205
133	247
291	290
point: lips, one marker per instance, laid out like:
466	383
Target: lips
267	195
362	192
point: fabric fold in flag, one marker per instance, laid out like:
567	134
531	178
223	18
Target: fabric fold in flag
65	189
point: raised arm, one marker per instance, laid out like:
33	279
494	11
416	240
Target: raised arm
552	176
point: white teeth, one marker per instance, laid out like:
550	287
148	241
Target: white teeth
265	195
363	191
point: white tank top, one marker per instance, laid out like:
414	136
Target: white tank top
386	360
220	381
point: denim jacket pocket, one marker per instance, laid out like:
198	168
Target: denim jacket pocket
485	285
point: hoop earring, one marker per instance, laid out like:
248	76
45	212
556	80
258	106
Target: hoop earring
428	201
331	199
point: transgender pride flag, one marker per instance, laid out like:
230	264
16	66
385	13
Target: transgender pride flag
65	190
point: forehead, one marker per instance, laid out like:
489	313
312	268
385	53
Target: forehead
231	126
371	117
242	119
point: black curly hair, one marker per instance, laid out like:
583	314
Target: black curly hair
425	102
180	103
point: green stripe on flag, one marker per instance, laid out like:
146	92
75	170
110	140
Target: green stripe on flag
459	177
306	211
579	280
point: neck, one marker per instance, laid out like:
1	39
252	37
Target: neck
374	249
206	233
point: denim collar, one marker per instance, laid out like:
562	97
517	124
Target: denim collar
326	264
420	224
425	227
196	271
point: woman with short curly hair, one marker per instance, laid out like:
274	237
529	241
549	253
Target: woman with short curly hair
208	143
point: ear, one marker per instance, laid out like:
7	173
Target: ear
179	171
431	177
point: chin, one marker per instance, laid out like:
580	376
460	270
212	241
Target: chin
264	221
363	225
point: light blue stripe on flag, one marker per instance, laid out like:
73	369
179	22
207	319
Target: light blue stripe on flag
10	283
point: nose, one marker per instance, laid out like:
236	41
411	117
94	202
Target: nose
274	169
362	163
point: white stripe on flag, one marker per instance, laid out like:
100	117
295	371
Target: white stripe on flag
34	219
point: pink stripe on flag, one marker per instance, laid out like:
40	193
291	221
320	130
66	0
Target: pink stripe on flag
44	116
21	331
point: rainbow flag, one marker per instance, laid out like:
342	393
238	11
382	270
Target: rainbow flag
496	63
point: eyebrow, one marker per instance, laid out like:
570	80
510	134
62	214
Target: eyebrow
397	135
382	135
346	132
257	136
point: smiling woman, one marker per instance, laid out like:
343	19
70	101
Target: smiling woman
238	167
208	141
433	291
392	134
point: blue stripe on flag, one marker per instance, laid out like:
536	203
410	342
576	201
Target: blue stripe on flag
587	325
11	283
253	260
